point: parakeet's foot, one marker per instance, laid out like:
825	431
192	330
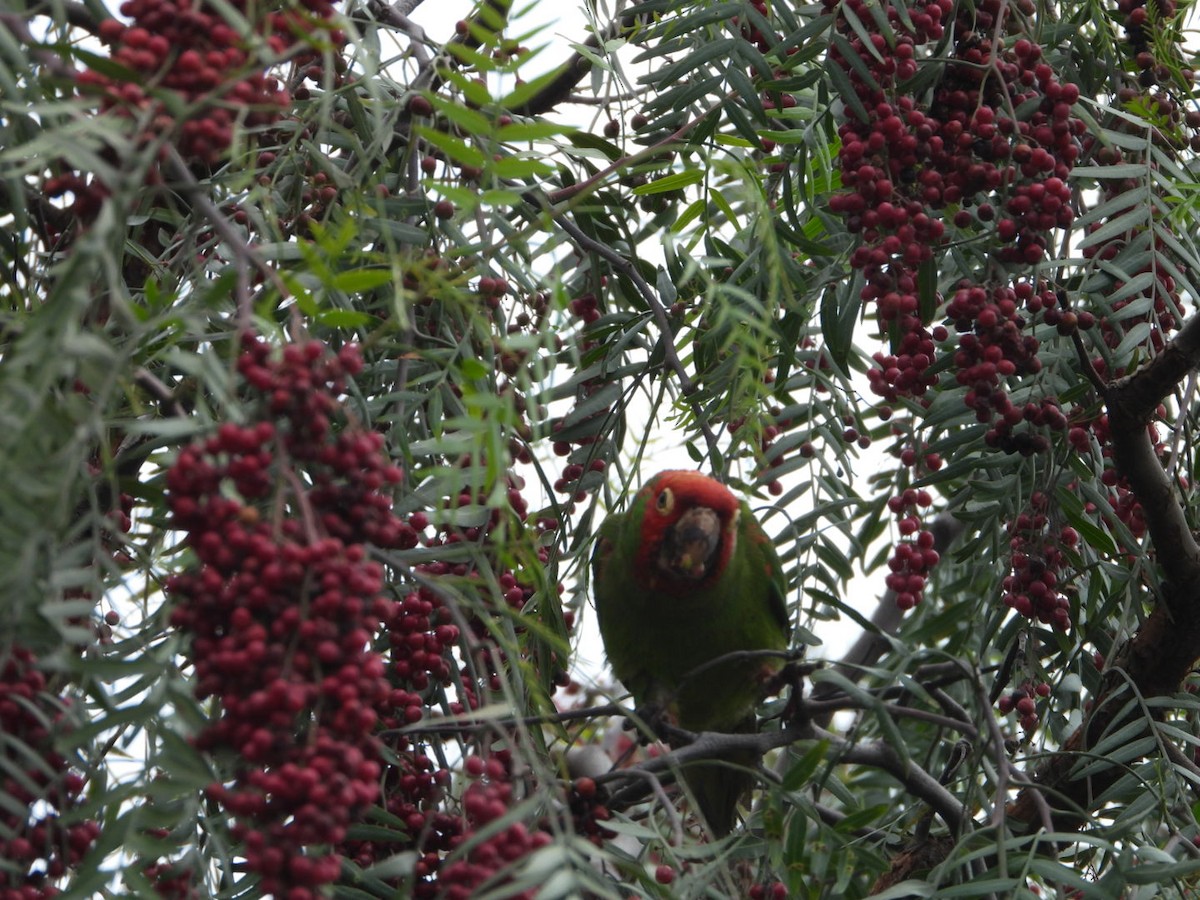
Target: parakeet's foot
653	722
792	675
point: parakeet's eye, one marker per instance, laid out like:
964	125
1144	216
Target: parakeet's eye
665	500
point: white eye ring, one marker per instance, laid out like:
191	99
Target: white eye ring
665	501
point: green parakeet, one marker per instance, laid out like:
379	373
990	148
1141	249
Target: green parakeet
683	577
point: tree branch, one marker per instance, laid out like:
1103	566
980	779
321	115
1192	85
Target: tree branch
708	745
571	72
1137	395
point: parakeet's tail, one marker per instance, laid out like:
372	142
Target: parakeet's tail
717	786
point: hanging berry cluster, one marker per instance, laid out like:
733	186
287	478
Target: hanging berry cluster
486	801
1145	27
1024	701
281	607
218	78
909	163
914	556
1034	588
189	48
990	149
40	840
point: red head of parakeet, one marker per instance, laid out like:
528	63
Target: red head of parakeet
684	578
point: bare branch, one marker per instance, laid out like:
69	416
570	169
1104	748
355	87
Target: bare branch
710	745
1131	403
244	255
1136	396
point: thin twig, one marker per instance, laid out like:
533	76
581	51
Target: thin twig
708	745
656	788
572	191
687	386
458	724
244	256
821	709
159	391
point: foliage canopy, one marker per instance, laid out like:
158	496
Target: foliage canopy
327	341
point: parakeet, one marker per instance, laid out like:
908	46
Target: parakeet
684	577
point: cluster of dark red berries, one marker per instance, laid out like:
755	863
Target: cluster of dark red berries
281	608
189	48
412	790
1144	25
906	163
993	346
41	838
486	801
498	524
963	155
420	633
913	556
172	881
774	890
1023	701
1034	587
586	802
218	76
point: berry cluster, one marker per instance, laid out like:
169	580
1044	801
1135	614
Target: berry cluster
963	158
913	556
217	77
1033	588
1143	25
172	881
413	789
588	811
420	631
994	346
189	48
41	790
1024	702
906	163
281	608
486	801
775	890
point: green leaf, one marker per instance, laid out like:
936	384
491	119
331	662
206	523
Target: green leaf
673	182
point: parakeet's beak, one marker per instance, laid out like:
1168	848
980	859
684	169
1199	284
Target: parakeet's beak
691	543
